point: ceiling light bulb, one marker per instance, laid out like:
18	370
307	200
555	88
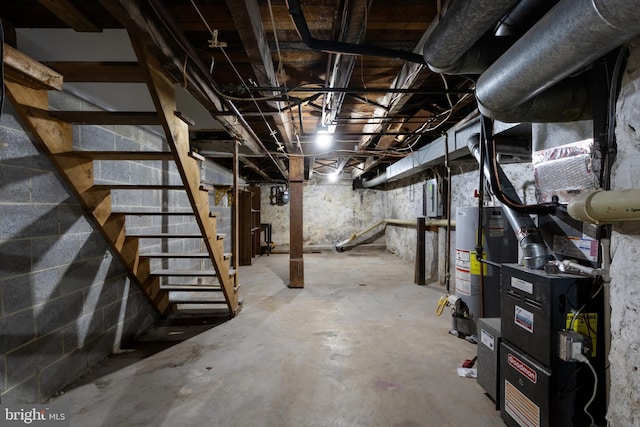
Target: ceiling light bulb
333	177
324	139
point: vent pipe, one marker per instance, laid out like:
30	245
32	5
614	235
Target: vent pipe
448	47
571	36
533	247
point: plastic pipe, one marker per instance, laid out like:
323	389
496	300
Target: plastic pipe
605	207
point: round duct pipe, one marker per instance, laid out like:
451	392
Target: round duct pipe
380	179
572	35
533	247
461	26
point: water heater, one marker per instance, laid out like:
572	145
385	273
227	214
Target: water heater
481	295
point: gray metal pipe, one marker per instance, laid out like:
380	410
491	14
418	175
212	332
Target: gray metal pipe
533	247
380	179
462	25
572	35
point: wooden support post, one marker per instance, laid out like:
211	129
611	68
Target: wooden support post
234	211
421	230
296	183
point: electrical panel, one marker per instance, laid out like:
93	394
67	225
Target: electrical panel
432	199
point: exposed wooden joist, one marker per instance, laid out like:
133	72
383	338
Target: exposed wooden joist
167	43
246	15
98	72
20	68
70	15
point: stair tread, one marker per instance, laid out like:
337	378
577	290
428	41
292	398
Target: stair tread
226	255
175	255
191	288
165	235
121	155
194	273
221	236
138	187
196	296
141	213
191	273
203	308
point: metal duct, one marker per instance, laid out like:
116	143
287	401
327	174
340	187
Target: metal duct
462	25
380	179
572	35
524	14
533	247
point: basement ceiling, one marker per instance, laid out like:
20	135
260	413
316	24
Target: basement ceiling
273	87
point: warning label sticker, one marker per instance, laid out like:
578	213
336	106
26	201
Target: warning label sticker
524	319
463	281
462	258
520	407
476	266
523	285
487	339
463	276
496	228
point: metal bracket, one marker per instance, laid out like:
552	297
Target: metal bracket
214	41
221	191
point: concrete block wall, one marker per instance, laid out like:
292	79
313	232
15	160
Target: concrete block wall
66	303
332	212
624	406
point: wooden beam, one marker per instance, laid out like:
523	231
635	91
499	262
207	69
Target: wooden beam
296	184
235	213
98	72
70	15
162	36
246	16
20	68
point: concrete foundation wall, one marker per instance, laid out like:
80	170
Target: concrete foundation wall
624	407
404	200
66	302
332	213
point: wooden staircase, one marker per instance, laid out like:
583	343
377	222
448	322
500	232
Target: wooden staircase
27	85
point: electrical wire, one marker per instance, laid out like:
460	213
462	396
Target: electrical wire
187	50
424	128
579	311
489	143
272	132
583	359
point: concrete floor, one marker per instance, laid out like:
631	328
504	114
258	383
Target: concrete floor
359	346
